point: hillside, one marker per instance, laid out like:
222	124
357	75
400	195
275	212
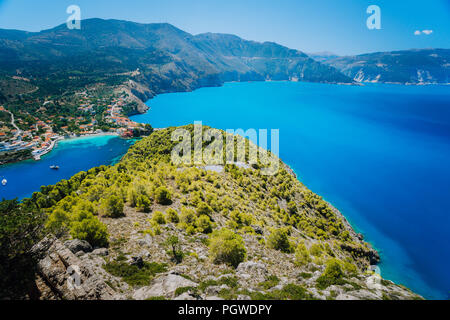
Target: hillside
323	56
162	231
424	66
169	59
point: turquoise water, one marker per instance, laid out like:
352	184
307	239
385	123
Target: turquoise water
379	153
72	156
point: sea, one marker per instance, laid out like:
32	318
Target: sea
380	153
71	155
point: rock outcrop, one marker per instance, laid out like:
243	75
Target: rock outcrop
63	275
164	285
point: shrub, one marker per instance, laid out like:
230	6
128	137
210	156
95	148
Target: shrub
289	292
143	203
271	282
292	207
188	216
172	216
132	274
58	222
203	209
302	255
227	247
91	230
175	249
158	217
111	206
316	250
163	196
279	240
204	224
239	219
333	274
350	268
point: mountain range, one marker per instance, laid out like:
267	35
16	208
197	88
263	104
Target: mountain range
168	58
419	66
161	58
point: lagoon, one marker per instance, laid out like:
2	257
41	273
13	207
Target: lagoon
379	153
71	155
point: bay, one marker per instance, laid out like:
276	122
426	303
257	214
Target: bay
71	155
377	152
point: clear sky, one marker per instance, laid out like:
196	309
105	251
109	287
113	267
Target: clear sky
308	25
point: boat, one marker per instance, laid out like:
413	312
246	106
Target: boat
4	182
54	167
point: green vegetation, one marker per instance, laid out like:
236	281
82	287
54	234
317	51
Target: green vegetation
172	216
333	274
227	293
89	228
14	156
158	217
132	274
288	292
279	240
163	196
175	249
272	211
112	207
227	247
271	282
302	256
20	229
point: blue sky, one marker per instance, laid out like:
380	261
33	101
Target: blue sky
310	25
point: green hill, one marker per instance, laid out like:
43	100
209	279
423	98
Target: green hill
224	231
169	58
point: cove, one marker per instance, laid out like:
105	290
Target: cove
379	153
72	156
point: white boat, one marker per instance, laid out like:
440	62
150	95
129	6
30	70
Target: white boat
4	182
54	167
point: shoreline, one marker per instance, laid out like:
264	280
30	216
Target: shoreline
385	262
54	143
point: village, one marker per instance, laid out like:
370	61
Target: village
40	138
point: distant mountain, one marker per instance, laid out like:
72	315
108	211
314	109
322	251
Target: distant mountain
323	56
424	66
169	59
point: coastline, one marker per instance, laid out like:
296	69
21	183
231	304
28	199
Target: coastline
388	248
54	144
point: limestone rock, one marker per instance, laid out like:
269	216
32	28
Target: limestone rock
213	298
256	270
165	285
67	276
77	245
185	296
101	252
215	290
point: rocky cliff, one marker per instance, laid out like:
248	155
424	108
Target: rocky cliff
422	66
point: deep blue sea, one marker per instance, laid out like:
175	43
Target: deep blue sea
72	156
379	153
